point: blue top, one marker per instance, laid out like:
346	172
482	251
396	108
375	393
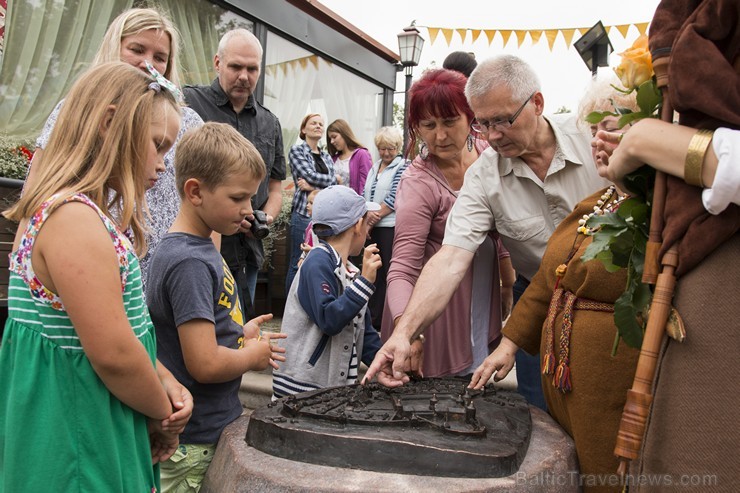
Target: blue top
382	188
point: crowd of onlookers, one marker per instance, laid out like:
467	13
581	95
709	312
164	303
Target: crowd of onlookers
140	238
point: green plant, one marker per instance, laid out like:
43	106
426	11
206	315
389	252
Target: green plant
620	237
277	229
14	157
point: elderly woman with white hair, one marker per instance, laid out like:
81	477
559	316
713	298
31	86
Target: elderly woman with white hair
380	187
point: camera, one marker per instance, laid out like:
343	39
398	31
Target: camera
259	228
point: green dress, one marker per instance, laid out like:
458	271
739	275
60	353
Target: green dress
60	427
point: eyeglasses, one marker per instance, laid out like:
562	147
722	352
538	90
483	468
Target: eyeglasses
384	149
486	126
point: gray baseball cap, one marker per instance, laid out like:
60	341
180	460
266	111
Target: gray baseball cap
338	208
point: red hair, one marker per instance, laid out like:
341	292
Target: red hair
438	94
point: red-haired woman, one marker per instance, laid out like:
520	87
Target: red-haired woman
461	338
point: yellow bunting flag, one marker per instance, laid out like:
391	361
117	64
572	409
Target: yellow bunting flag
505	35
567	36
447	33
433	32
642	27
551	34
623	28
520	34
490	33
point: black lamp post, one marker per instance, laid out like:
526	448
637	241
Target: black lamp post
410	43
594	48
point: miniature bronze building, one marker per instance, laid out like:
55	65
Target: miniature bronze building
432	427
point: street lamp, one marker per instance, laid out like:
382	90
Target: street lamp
594	48
410	43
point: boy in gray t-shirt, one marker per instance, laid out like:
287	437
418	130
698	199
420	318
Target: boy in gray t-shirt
193	299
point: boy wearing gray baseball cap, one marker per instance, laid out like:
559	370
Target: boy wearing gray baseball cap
326	317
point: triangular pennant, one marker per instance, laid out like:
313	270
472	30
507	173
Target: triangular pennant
505	35
314	61
551	34
304	62
490	33
474	34
447	33
642	27
433	32
623	28
535	35
520	37
567	36
463	33
284	66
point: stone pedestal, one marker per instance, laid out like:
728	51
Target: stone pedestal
550	465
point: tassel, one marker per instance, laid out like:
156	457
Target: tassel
548	363
562	378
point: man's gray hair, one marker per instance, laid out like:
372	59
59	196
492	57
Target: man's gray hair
506	70
238	33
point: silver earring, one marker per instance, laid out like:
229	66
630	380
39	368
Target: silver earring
424	151
470	143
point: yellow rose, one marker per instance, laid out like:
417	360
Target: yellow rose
637	65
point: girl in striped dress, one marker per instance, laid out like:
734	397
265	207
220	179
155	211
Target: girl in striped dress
83	406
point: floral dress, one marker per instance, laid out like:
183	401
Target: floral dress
61	429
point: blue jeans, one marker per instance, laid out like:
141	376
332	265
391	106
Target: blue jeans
529	380
298	225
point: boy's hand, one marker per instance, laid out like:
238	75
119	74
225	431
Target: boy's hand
252	328
277	351
371	262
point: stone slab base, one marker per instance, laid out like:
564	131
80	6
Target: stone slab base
550	465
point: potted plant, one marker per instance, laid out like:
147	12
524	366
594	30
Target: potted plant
15	156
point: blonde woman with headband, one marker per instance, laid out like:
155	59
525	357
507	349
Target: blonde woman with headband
138	36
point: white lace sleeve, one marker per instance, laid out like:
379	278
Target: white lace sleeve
48	126
726	186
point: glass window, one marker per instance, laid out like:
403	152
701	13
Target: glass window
47	45
298	82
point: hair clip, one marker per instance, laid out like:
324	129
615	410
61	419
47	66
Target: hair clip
161	82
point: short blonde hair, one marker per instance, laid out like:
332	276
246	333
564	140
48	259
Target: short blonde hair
109	167
135	21
389	137
602	96
212	154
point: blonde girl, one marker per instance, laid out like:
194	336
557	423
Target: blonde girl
82	405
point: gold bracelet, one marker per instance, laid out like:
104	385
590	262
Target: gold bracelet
695	157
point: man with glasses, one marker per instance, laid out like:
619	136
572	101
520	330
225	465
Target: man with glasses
537	169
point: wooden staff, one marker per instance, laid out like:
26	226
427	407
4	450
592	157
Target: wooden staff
639	397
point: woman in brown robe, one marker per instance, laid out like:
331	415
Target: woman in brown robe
567	315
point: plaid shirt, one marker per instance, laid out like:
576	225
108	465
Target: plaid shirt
303	166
